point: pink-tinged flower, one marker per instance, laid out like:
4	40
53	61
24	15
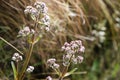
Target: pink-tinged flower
80	59
73	47
82	49
51	61
24	32
52	64
41	7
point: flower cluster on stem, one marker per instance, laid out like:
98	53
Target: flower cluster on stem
73	54
41	21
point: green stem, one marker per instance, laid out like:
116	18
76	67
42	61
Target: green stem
26	62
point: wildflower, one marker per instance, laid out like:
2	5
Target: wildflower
49	78
27	9
47	28
30	69
73	47
24	32
31	10
32	31
80	59
56	65
41	7
51	61
82	49
66	59
46	18
34	12
52	64
16	57
46	22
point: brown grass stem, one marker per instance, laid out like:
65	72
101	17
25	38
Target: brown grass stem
11	45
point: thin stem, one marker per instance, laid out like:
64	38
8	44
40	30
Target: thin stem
57	71
33	39
26	62
10	45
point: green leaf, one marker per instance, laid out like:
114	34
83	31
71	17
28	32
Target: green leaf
14	70
71	72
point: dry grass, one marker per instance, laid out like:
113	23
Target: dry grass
70	20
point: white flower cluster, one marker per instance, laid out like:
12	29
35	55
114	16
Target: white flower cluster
41	7
46	22
26	31
73	52
52	64
16	57
39	11
73	47
30	69
31	10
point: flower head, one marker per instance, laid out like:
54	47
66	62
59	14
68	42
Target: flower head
41	7
46	22
16	57
72	49
52	64
30	69
28	9
25	31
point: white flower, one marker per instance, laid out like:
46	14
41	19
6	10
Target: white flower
51	61
30	69
56	65
41	7
49	78
32	31
24	32
16	57
82	49
47	28
34	12
27	9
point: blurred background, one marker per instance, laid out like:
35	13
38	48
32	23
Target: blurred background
95	22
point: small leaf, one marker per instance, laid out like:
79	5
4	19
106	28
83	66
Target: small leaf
36	40
71	72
